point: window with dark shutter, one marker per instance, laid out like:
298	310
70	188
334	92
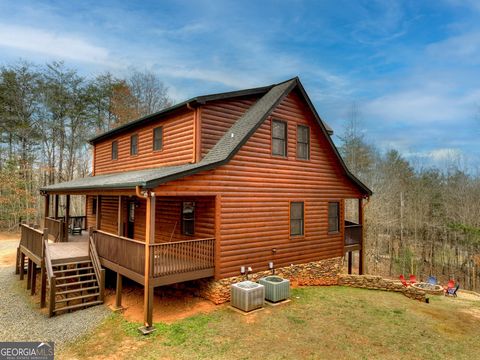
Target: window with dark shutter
303	142
134	144
279	138
188	218
296	219
158	138
333	217
114	150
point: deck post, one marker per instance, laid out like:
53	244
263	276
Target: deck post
218	219
349	261
118	292
22	264
98	217
55	209
43	272
148	286
29	273
361	252
17	262
46	208
33	286
67	217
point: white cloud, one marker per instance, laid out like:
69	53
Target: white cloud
53	44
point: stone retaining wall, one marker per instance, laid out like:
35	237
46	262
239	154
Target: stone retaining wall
379	283
323	272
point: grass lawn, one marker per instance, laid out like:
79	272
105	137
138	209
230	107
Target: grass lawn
319	323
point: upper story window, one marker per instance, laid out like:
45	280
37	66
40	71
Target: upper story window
188	218
158	138
296	219
279	138
134	144
333	217
114	150
303	142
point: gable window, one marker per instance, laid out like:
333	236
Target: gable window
134	144
333	217
188	218
158	138
296	219
114	150
303	142
279	138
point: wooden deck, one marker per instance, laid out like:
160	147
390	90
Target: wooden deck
68	252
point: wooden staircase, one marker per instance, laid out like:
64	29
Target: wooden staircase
76	287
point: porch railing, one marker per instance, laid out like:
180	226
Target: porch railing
120	250
55	228
182	256
166	258
353	234
32	240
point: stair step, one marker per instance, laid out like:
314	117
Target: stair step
73	263
76	298
76	283
71	307
75	276
74	269
76	290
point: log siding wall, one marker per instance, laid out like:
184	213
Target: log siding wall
177	147
257	188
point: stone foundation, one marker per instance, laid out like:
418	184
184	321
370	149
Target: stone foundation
323	272
379	283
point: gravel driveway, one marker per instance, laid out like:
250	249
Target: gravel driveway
21	319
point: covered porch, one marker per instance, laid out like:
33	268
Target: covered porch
150	239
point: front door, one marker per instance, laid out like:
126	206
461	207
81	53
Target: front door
131	220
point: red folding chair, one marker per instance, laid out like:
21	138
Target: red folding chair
413	279
404	282
450	285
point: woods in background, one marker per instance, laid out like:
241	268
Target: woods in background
47	114
420	220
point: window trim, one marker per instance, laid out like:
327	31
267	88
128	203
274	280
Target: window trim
308	143
302	235
131	137
114	143
182	219
332	232
285	156
153	138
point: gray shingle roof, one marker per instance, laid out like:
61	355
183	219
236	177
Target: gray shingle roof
220	154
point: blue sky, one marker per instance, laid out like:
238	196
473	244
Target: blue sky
411	67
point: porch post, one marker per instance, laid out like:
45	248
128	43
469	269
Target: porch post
55	210
67	217
148	286
349	261
218	219
98	218
46	208
119	285
361	252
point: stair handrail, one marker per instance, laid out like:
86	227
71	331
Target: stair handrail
51	278
97	267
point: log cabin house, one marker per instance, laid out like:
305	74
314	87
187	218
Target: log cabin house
248	178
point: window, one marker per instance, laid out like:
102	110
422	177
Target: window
188	218
158	138
94	206
333	217
279	138
296	218
134	144
303	142
114	150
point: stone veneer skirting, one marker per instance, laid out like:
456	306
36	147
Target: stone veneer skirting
379	283
323	272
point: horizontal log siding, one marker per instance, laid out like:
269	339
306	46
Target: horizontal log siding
256	190
218	116
91	217
177	147
109	214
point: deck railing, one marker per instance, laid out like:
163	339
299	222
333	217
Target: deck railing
121	250
99	272
51	279
32	240
166	258
353	234
55	228
182	256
